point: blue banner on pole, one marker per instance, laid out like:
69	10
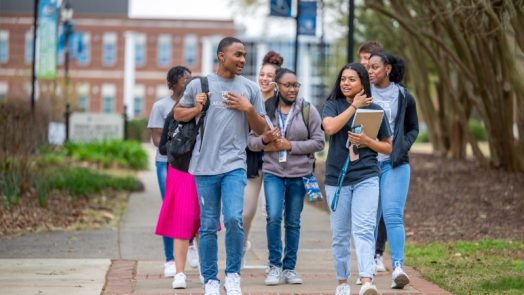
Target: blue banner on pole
280	8
307	18
47	39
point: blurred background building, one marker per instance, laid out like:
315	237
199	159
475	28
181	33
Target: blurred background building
101	79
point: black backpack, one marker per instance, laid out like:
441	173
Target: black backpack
182	136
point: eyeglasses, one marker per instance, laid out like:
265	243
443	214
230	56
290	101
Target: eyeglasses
289	85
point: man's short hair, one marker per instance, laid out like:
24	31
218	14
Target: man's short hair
226	42
370	47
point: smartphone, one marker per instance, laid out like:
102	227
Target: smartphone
356	129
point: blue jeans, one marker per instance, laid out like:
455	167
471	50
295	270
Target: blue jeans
161	173
356	214
228	188
394	185
284	196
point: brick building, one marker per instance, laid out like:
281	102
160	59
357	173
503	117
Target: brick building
97	75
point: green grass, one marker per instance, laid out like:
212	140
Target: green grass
483	267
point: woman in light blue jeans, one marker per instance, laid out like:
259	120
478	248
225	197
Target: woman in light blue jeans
356	210
386	71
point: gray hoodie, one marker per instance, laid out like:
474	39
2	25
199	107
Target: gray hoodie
300	159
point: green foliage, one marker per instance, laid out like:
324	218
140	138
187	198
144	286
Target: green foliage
10	184
125	154
79	181
477	129
464	267
423	137
137	130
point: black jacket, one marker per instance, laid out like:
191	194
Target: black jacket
406	128
162	145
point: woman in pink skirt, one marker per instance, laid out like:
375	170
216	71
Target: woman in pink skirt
180	213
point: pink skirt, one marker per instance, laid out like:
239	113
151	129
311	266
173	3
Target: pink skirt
179	216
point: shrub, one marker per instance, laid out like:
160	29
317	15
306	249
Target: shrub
477	129
125	154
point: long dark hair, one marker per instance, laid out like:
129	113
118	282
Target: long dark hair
362	74
398	66
272	102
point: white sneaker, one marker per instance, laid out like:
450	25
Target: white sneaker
169	269
274	276
179	282
399	278
212	287
343	289
368	289
358	281
192	256
379	264
291	277
232	284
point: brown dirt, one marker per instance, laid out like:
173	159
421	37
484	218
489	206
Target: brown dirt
62	214
457	200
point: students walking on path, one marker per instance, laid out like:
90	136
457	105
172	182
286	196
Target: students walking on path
288	157
386	71
219	158
176	81
271	62
359	187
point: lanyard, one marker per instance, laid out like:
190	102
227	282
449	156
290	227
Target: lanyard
341	176
283	125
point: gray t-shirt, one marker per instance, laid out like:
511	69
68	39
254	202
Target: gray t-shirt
161	108
223	148
387	98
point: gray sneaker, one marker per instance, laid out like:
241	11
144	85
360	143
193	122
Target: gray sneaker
291	277
274	276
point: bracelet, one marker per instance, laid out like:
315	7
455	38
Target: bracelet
351	105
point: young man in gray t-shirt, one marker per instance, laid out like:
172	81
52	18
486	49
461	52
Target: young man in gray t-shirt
219	159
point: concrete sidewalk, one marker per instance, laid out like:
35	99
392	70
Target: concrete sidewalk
129	259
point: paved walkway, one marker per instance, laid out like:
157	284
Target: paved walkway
128	259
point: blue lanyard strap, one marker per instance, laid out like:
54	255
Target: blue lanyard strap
341	176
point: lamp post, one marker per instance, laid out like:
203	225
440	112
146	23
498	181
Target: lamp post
67	27
351	24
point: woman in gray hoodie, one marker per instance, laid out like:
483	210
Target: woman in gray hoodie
294	135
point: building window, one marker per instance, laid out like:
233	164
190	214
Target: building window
109	49
108	98
4	46
82	91
3	91
138	100
162	91
28	51
190	50
164	50
84	56
140	49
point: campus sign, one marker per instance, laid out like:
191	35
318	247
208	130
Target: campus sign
86	127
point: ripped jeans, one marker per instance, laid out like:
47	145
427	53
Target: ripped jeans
215	191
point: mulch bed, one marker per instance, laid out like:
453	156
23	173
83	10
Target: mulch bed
458	200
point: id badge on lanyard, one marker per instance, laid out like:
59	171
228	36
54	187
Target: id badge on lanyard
282	155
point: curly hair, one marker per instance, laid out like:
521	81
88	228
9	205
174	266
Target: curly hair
273	58
398	66
174	74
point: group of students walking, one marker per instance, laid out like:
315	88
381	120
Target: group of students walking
265	126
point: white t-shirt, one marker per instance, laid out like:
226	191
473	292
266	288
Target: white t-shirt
161	108
223	148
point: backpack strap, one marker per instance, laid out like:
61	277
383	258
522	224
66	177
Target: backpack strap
205	88
305	115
